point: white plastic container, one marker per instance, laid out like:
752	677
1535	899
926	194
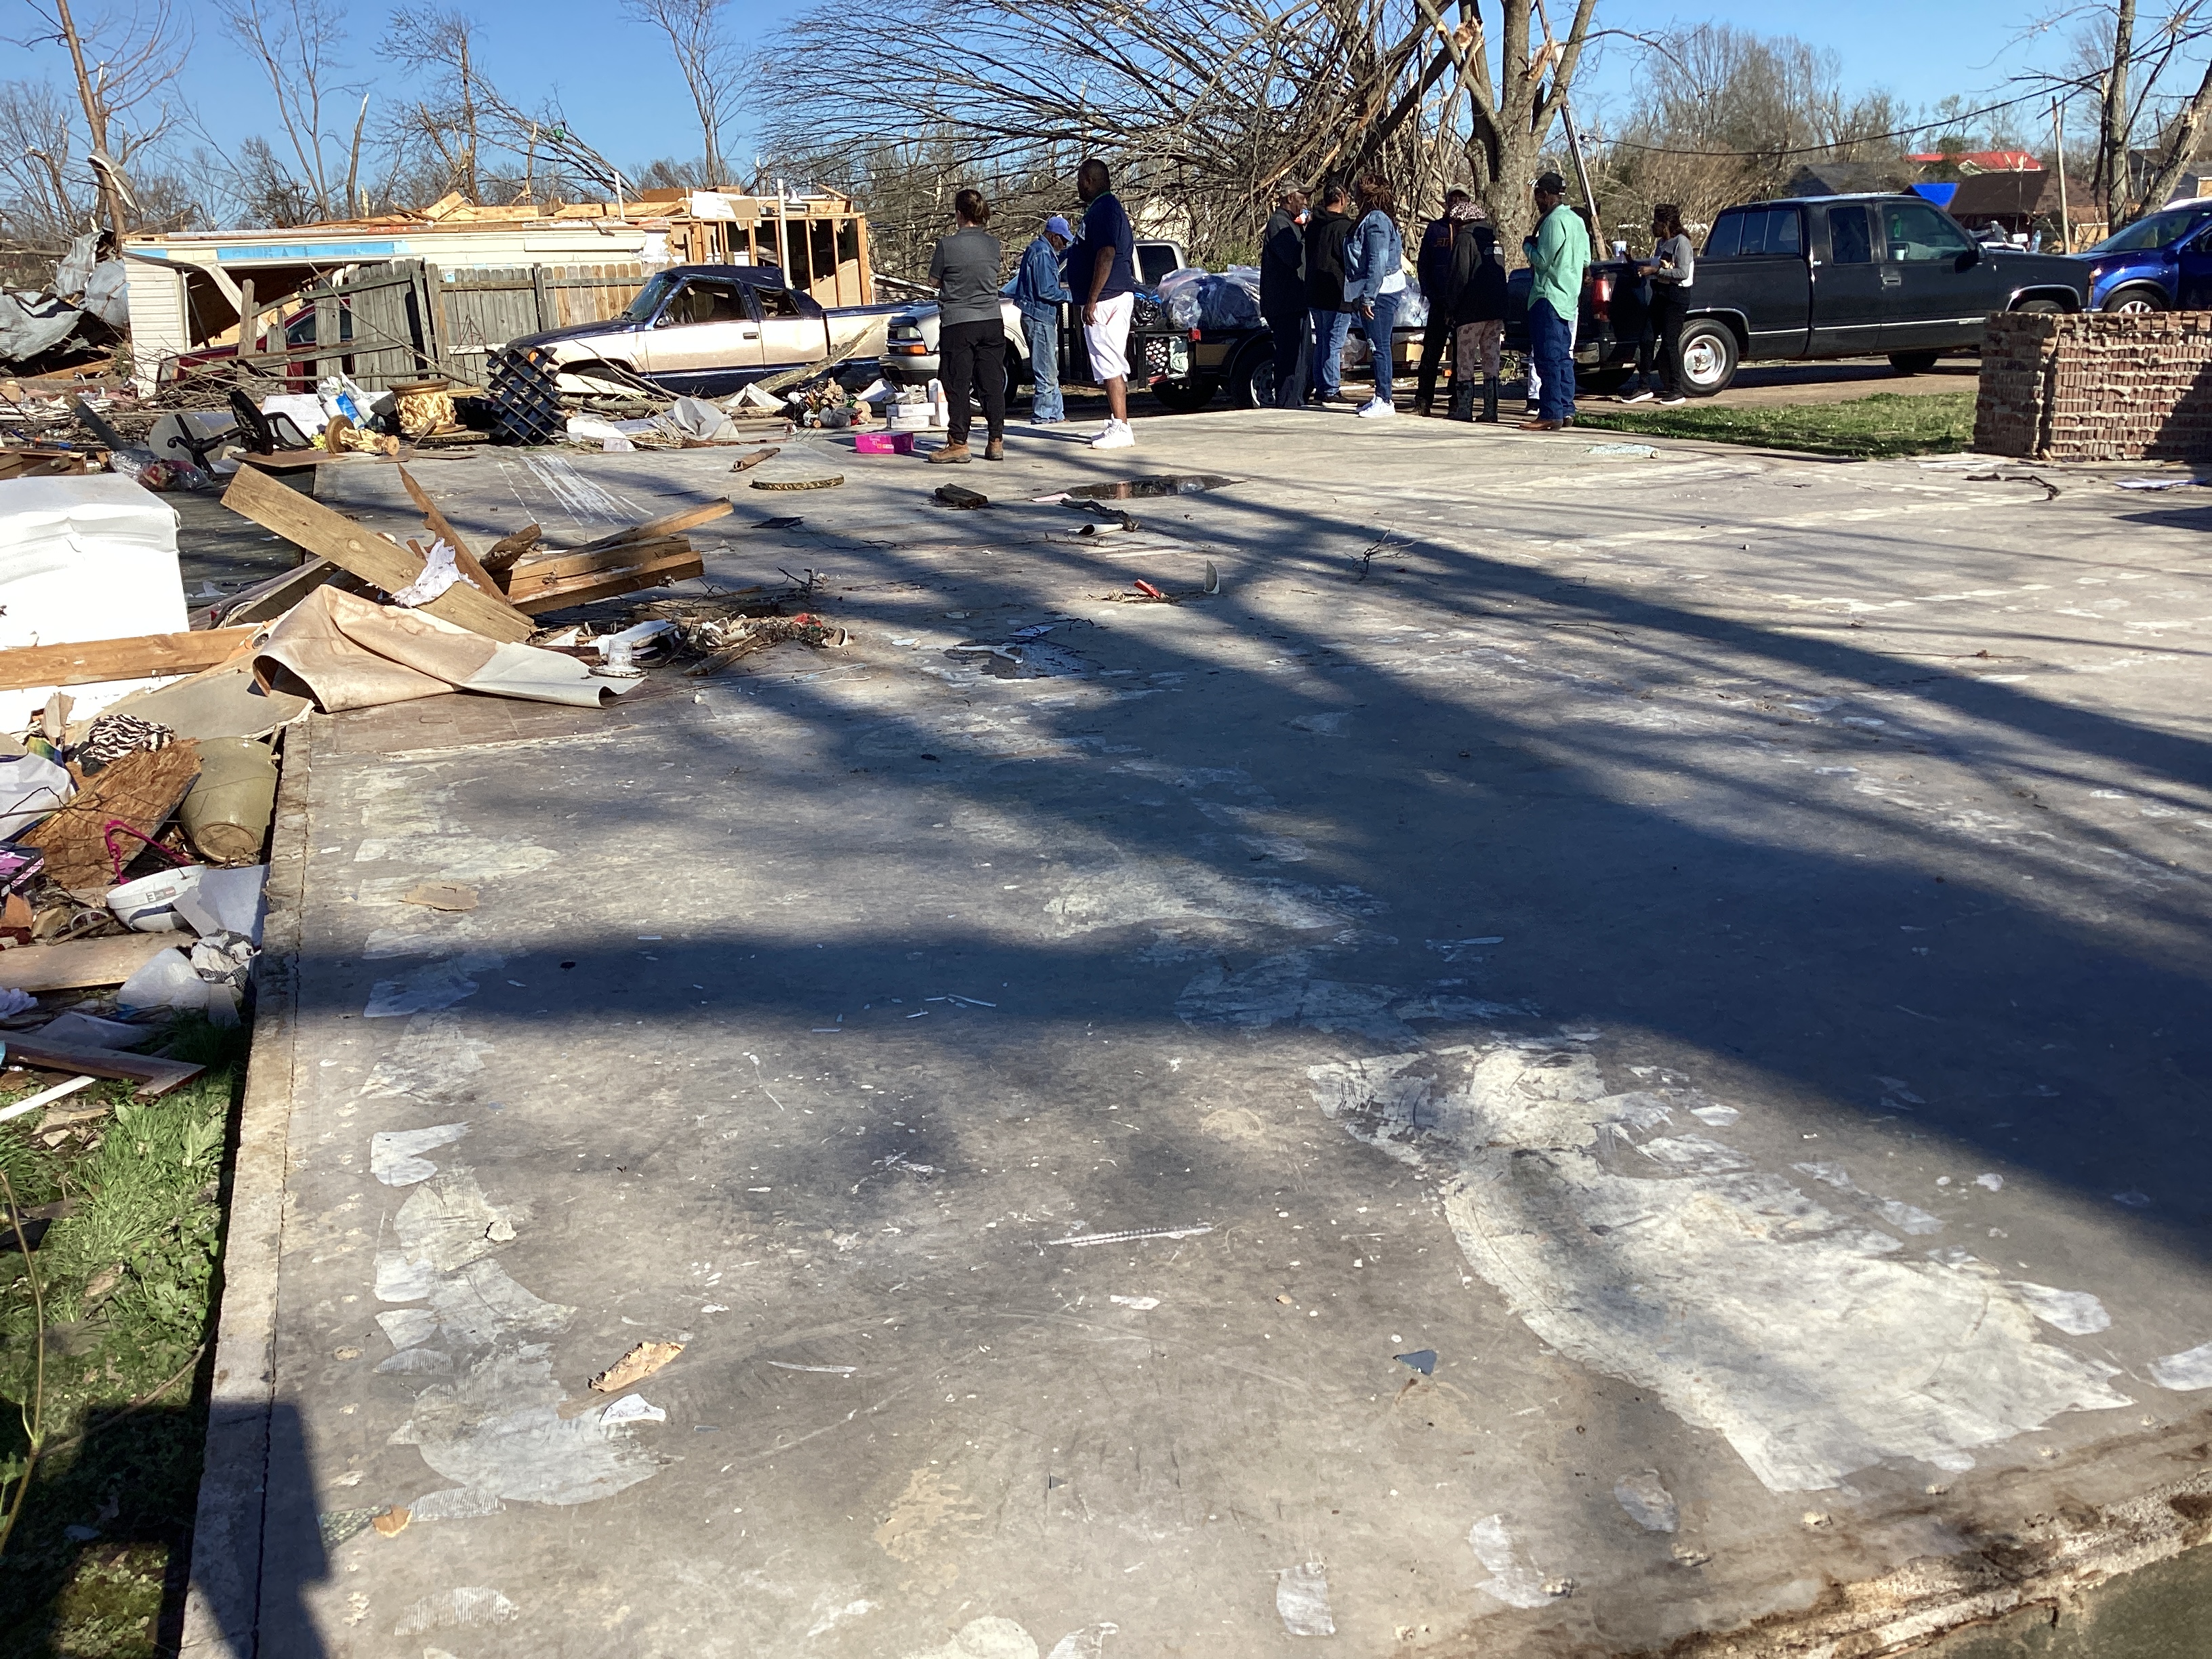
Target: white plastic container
149	905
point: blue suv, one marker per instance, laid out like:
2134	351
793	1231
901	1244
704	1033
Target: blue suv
2162	262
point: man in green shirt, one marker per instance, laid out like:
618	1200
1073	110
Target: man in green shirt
1563	253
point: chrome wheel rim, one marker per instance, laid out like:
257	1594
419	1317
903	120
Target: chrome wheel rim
1702	361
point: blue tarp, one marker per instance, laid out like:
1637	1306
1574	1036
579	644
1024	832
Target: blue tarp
1939	194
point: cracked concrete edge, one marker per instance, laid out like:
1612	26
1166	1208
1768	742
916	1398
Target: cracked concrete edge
223	1604
2053	1559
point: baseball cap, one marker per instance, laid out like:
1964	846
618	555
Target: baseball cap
1057	226
1551	184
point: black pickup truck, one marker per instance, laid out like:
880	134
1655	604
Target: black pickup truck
1813	278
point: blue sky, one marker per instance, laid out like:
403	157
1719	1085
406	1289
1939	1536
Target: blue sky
623	96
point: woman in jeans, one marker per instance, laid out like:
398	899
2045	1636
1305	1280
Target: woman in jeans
1671	269
1375	281
971	331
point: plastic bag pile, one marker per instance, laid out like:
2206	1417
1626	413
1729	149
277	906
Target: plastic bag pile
1202	298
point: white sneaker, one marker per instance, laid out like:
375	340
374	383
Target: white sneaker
1673	398
1376	410
1116	435
1640	396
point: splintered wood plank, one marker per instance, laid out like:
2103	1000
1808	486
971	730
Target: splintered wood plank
578	579
153	1076
353	547
140	657
464	560
668	523
81	964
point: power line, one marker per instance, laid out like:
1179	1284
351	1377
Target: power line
1839	143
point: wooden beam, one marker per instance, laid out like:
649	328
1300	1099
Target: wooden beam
668	523
155	1077
81	963
135	659
579	578
438	524
310	524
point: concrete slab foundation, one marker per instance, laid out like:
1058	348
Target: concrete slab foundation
1605	1050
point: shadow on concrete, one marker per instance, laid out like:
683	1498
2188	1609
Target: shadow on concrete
2052	1026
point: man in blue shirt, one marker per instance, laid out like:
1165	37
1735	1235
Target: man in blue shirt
1038	290
1102	268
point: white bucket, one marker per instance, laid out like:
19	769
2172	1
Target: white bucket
149	905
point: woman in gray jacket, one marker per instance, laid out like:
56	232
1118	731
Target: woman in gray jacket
971	330
1375	281
1672	267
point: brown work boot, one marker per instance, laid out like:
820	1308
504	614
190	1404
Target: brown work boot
995	450
949	455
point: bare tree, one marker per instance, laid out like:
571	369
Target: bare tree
1724	115
48	200
1205	107
122	65
297	43
706	57
2131	63
440	47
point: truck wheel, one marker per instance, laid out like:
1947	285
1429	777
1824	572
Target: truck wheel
1252	385
2133	302
1709	357
1185	397
2039	308
1913	362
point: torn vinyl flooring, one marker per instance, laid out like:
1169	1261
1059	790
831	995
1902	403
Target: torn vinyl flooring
1747	1057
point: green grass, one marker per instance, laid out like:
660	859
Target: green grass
129	1281
1867	429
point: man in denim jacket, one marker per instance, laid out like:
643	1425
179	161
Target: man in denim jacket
1038	290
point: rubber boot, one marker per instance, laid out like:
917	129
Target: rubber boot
1490	400
1462	403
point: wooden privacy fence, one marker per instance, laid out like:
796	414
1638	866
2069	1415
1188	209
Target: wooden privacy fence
406	318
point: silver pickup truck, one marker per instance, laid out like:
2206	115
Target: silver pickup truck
707	331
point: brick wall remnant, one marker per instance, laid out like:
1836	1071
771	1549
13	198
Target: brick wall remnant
2093	388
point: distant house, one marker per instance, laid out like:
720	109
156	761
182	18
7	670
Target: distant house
2015	200
1844	178
1971	163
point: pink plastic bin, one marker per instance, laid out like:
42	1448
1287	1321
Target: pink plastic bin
884	443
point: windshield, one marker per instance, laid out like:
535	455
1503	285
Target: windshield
2160	230
650	296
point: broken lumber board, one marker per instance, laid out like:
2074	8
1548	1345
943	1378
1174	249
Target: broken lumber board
307	523
668	523
439	525
141	657
569	579
155	1077
80	963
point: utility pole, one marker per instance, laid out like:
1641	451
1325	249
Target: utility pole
2058	127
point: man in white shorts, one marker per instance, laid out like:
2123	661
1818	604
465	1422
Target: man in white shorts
1102	270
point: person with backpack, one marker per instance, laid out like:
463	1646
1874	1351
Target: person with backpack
1475	303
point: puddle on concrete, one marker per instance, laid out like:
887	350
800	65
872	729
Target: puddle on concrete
1161	483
